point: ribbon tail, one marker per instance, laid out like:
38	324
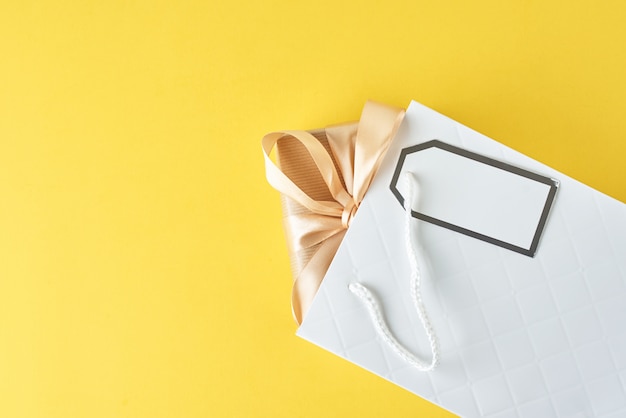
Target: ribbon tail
377	127
310	278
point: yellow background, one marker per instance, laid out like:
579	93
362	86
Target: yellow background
143	270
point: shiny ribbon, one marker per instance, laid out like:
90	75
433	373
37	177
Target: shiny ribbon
357	150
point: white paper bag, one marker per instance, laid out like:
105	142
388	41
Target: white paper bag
525	285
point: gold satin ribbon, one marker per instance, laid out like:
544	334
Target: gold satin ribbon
357	149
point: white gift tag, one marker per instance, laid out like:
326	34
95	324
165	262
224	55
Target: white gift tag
476	195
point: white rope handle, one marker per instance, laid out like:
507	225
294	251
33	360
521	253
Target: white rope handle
373	307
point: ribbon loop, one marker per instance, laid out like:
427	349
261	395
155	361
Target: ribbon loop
316	228
348	213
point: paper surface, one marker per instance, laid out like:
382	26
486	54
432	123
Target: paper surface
520	336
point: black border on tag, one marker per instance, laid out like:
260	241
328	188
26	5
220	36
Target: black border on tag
435	143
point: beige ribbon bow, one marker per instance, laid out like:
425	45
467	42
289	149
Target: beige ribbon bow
345	170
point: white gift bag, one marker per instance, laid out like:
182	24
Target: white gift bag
523	276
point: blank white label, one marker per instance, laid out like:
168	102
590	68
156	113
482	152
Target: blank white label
476	195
